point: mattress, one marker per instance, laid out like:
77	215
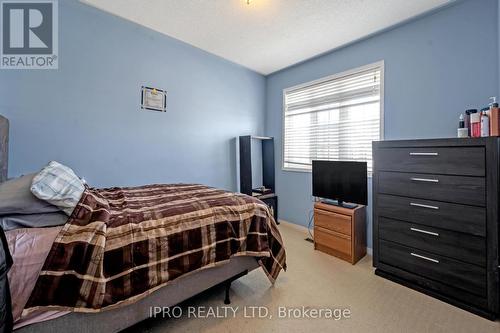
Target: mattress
29	248
122	244
238	229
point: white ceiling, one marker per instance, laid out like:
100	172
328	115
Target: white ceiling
267	35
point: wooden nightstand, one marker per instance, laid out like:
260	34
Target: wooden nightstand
340	231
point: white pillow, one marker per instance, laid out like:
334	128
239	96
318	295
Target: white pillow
58	185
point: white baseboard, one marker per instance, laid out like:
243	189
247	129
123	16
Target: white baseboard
295	226
303	229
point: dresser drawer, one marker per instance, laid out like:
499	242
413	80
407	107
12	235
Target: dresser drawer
333	221
467	219
333	240
442	269
457	189
464	247
464	161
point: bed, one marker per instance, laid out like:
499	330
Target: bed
242	224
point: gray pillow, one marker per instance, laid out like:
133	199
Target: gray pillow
10	222
16	198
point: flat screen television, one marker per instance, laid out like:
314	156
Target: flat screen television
341	181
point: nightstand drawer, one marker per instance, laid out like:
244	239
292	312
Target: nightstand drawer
333	221
442	269
333	240
457	245
467	219
456	189
463	161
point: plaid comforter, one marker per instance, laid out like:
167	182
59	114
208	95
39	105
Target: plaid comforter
121	244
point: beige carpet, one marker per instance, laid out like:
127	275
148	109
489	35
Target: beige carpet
318	280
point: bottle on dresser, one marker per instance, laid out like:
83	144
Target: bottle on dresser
494	117
485	122
467	120
463	131
475	125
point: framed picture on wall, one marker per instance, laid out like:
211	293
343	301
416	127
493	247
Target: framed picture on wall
153	99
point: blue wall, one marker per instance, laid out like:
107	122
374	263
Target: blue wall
435	67
87	115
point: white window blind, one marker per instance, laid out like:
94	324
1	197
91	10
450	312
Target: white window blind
333	119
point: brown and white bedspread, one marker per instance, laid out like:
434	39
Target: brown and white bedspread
121	244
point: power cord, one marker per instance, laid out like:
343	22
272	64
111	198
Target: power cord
311	218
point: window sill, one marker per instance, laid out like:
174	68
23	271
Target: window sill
296	170
308	171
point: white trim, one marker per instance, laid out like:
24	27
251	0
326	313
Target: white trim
292	169
295	226
379	64
382	98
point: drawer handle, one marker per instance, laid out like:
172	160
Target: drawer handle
423	154
425	258
425	232
427	180
423	206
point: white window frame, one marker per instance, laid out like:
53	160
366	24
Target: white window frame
376	65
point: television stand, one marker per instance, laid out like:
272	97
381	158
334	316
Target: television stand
339	203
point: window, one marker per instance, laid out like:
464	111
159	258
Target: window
335	118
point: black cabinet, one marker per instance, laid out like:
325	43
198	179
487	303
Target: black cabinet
435	219
272	202
245	154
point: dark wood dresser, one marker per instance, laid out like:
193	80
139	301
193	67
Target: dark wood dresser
435	219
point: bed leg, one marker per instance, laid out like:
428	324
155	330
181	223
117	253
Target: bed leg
228	282
227	300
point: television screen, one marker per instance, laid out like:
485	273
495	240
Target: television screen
343	181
